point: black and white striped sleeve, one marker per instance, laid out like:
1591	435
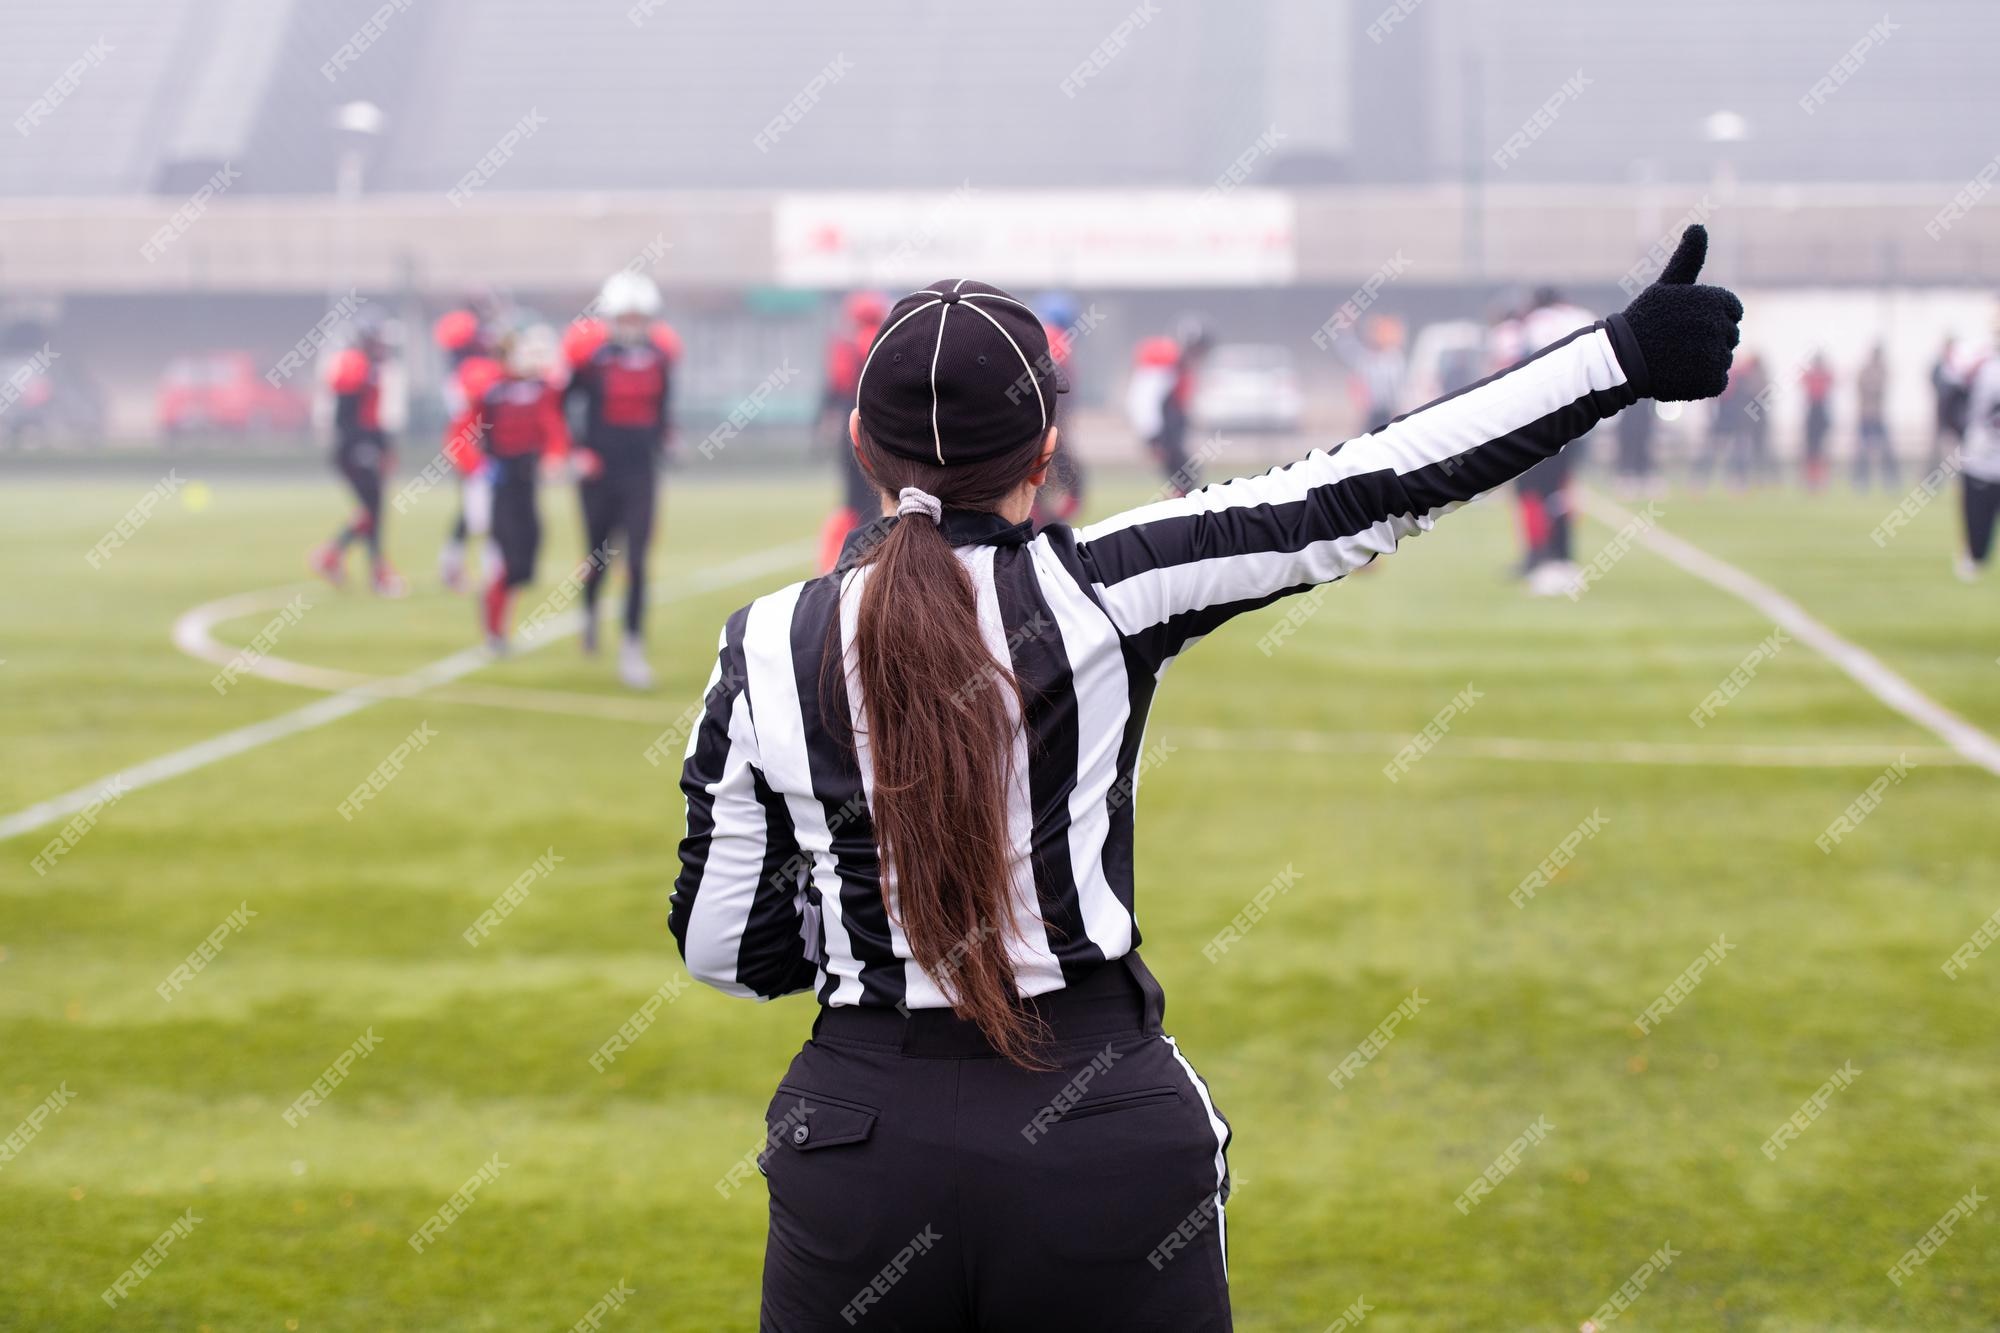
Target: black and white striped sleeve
738	912
1170	572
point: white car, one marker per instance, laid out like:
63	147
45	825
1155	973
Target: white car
1248	387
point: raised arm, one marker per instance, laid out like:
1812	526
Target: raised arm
1170	572
736	911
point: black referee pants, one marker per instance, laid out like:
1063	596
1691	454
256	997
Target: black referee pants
921	1183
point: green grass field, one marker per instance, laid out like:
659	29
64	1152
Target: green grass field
1342	1193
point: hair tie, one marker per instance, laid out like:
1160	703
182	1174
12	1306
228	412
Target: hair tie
916	500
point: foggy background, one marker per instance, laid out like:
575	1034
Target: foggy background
180	177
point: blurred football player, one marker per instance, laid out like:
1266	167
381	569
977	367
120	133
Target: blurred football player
361	455
621	378
1543	491
511	431
846	353
465	338
1160	395
1062	498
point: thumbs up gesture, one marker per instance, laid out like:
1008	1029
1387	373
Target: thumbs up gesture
1686	331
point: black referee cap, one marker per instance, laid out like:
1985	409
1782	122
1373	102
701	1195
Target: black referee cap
960	372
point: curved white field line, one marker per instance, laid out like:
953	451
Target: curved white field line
354	698
1534	751
1863	667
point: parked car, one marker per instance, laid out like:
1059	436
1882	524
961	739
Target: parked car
227	392
1249	387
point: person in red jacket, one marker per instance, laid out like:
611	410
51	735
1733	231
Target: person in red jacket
361	455
621	378
510	432
846	354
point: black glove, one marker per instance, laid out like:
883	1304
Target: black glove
1685	331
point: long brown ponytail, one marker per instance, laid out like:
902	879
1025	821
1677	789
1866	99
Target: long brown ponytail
942	715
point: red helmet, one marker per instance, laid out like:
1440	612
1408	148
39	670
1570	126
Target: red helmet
866	310
456	330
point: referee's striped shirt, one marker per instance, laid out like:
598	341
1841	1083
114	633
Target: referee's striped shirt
780	889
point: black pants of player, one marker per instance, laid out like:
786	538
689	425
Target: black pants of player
1982	509
517	523
920	1183
361	460
1547	484
618	509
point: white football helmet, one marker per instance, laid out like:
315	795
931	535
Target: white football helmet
626	294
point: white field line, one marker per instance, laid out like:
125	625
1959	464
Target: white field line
1538	751
349	701
1863	667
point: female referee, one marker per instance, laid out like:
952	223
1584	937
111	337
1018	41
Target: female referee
911	792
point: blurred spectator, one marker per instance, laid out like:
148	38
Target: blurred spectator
1872	432
1817	380
1737	435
